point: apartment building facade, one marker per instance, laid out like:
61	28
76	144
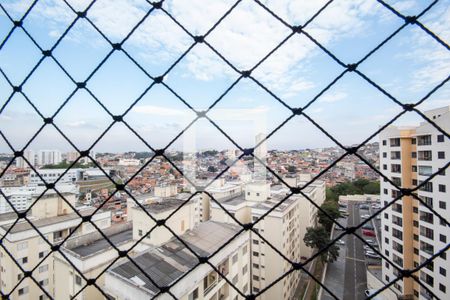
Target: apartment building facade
29	249
284	227
411	233
173	263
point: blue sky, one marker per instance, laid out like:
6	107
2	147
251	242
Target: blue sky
408	67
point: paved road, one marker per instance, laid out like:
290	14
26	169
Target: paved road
335	271
355	268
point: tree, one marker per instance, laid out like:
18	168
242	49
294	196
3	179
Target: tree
332	209
292	169
212	169
318	238
372	188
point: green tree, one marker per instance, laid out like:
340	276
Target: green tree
318	238
212	169
292	169
372	188
332	209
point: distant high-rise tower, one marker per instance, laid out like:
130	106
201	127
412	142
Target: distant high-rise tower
49	157
260	153
29	156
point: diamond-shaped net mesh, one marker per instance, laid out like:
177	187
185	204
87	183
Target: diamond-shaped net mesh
85	83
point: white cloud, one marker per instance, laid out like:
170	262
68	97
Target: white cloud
244	37
333	97
158	110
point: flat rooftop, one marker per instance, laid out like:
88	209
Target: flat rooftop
24	225
162	205
168	262
101	244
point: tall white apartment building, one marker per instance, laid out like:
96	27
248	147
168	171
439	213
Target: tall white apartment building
284	228
411	233
30	156
49	157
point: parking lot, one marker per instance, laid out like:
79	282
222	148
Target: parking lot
346	277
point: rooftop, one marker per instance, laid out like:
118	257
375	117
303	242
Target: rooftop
24	225
168	262
162	205
100	244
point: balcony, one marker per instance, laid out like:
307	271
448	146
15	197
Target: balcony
395	155
426	217
424	140
425	155
394	142
209	282
425	170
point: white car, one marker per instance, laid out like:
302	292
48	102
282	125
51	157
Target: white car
340	242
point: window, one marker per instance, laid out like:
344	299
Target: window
386	240
414	168
255	277
396	168
427	187
255	253
384	154
394	142
244	270
22	245
193	295
255	242
23	291
441	155
43	282
384	143
385	191
77	280
255	266
424	140
442	287
235	279
386	216
43	268
425	170
442	205
235	258
413	154
442	188
440	138
384	167
24	260
395	154
443	238
425	155
442	271
42	254
427	200
140	232
244	250
415	210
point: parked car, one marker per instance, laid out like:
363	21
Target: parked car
374	256
368	232
365	216
340	242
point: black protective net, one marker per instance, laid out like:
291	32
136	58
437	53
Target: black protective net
19	25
